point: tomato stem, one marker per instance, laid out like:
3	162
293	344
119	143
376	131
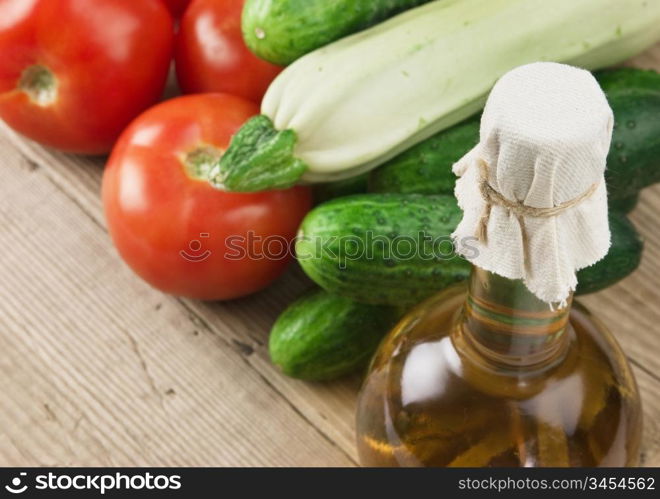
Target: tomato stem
40	84
199	162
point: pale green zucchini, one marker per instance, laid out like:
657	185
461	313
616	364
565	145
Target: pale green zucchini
352	105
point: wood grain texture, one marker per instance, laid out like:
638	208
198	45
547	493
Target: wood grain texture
100	369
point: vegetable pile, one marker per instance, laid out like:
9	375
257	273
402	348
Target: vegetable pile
413	76
206	195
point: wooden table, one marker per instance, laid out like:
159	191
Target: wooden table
98	369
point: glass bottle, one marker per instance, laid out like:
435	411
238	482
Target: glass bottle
492	376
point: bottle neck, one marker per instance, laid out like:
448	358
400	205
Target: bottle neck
511	328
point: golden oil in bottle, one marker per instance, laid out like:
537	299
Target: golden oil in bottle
488	375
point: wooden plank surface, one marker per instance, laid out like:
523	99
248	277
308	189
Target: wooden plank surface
100	369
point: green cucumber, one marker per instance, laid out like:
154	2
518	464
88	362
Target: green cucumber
624	205
622	260
352	247
426	167
633	162
323	336
382	249
281	31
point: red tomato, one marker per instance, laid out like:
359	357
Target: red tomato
74	73
172	227
211	55
177	7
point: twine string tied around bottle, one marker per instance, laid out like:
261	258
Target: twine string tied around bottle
492	197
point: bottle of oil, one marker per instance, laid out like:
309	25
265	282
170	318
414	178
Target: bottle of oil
506	370
489	376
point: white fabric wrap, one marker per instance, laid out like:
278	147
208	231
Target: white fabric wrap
545	135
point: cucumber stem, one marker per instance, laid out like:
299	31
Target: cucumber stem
259	158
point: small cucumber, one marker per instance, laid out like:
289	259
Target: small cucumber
323	336
281	31
395	249
633	162
382	248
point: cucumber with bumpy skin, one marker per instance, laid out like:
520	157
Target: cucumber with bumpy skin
359	247
323	336
633	162
634	159
281	31
383	249
426	167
